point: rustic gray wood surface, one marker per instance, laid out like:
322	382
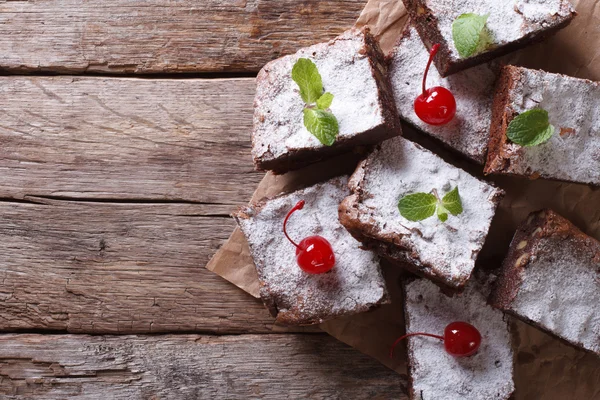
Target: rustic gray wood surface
115	192
190	367
157	36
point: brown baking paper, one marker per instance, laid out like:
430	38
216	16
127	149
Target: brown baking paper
544	367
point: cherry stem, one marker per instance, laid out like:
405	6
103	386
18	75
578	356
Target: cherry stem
434	50
401	338
437	196
298	206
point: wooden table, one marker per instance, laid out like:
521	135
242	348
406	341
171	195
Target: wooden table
124	145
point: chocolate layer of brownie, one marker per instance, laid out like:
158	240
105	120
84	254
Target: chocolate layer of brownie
469	131
352	68
512	25
551	279
443	252
435	374
294	297
573	152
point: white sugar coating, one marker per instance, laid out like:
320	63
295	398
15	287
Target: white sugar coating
449	249
346	73
560	291
355	283
473	90
509	20
488	374
571	103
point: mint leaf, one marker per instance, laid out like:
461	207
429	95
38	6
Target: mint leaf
442	213
469	34
452	203
417	206
306	75
322	124
530	128
324	101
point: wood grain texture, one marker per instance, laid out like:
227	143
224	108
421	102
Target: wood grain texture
127	138
118	268
157	36
187	367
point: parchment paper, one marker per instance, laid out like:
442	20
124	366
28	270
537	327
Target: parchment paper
544	367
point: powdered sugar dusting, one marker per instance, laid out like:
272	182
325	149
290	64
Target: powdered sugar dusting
509	20
346	72
573	153
468	132
560	290
447	250
438	375
355	283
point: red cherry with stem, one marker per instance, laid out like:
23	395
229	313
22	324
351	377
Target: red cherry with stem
314	253
461	339
436	105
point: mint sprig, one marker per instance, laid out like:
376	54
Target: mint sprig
470	34
530	128
318	119
419	206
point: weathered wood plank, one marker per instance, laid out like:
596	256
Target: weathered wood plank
190	367
127	138
156	36
118	268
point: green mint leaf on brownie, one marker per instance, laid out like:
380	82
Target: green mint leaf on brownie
530	128
442	213
322	124
470	34
306	75
451	202
417	206
325	101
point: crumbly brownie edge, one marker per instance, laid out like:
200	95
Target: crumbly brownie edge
427	26
380	72
391	127
501	117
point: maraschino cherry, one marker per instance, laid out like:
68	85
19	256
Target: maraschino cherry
314	253
436	105
460	339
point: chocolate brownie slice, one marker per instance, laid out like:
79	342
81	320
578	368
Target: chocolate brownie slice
435	374
469	131
353	70
511	25
573	152
294	297
551	279
443	252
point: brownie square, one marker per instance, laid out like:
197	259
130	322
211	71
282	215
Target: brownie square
511	25
551	279
294	297
573	152
435	374
443	252
353	70
468	133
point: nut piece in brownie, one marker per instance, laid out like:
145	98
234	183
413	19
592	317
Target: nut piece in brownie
353	70
510	25
573	151
551	279
469	131
444	252
294	297
435	374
